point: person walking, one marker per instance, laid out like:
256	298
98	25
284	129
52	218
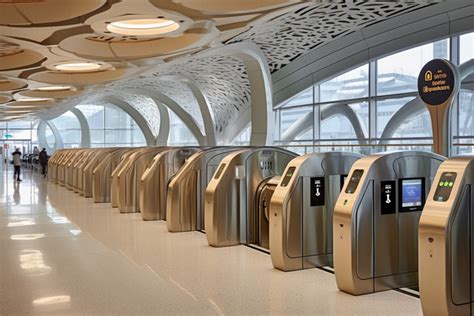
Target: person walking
43	160
17	164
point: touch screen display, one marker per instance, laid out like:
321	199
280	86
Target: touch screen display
288	176
412	194
445	186
354	181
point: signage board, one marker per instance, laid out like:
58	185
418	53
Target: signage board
436	82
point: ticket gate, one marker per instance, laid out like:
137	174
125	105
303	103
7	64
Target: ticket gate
154	181
79	176
87	170
114	184
129	178
62	165
446	248
70	167
76	169
231	215
101	182
376	218
52	164
302	207
185	198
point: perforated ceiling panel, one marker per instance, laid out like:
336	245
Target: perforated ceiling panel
146	107
293	34
224	82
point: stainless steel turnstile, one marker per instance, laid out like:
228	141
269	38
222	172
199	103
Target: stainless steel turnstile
231	215
101	182
302	207
446	248
185	198
114	183
86	171
129	178
154	181
376	221
62	165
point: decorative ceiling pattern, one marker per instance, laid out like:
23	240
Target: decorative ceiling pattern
223	81
44	47
181	94
146	107
292	34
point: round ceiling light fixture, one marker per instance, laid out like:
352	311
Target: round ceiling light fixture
78	67
54	88
23	99
143	27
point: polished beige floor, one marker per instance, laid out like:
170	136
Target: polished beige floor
62	254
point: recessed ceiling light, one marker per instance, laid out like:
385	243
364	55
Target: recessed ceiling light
78	67
143	27
34	100
54	88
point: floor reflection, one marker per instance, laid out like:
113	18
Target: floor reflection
63	253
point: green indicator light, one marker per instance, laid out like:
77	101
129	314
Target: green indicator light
446	183
451	184
441	184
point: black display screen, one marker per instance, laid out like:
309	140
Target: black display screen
412	194
318	194
219	171
343	180
354	181
445	186
287	177
388	200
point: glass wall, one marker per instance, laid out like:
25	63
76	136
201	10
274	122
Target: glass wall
357	110
179	134
69	128
111	127
18	134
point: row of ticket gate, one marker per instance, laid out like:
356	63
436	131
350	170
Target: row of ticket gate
384	221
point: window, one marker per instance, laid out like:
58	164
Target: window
50	139
398	73
340	121
112	127
355	107
69	128
297	123
350	85
466	50
179	135
302	98
385	111
243	139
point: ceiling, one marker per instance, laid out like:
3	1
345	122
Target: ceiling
55	54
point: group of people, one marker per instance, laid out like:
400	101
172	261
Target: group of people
42	157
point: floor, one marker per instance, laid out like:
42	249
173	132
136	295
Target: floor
62	254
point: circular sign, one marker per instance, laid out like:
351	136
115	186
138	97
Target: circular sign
436	82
